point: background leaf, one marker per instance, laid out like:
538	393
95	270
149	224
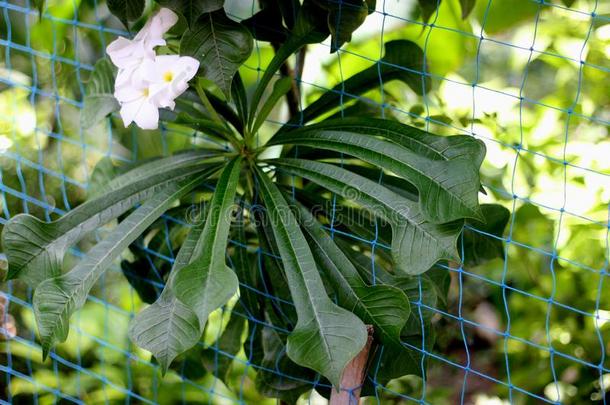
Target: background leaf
126	10
99	100
192	9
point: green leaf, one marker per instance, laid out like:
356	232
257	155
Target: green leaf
192	9
168	327
218	358
207	283
326	336
220	44
35	249
467	6
247	273
278	376
448	190
280	88
160	166
344	17
57	298
99	100
126	10
403	60
416	244
428	7
385	307
238	93
483	240
310	28
39	4
266	25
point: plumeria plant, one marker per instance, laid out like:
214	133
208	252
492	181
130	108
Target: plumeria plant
271	236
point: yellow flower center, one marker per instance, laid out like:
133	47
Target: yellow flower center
168	76
145	92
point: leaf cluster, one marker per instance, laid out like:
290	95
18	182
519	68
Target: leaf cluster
410	196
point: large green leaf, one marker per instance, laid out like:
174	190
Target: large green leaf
385	307
220	44
448	190
57	298
192	9
99	100
403	60
168	327
35	249
126	10
207	283
326	336
416	243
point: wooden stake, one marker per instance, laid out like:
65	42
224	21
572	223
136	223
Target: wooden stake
353	376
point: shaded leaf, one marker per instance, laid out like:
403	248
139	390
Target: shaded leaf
217	359
483	240
467	6
126	10
309	28
428	7
279	377
267	25
344	17
192	9
99	99
326	336
220	44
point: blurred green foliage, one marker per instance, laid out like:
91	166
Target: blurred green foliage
541	111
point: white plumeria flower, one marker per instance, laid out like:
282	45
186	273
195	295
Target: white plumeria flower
146	82
168	76
126	53
137	106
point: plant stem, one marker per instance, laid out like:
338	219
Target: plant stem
206	102
214	115
353	376
293	96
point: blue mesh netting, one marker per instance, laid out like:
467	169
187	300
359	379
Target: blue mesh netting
530	78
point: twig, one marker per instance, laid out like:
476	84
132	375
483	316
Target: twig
293	97
353	376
